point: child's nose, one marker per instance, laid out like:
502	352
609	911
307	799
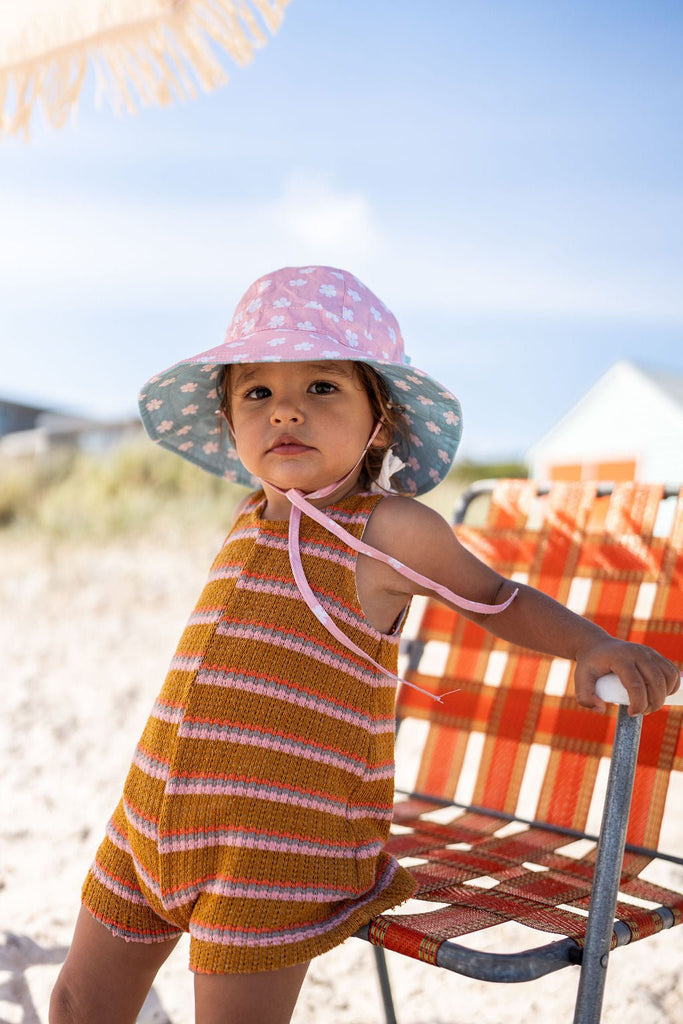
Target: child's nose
286	412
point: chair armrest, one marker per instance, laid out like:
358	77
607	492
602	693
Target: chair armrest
610	689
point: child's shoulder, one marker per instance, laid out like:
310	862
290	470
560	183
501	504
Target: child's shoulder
401	522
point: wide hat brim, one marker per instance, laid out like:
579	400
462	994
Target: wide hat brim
180	406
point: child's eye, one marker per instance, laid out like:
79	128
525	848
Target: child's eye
322	387
257	392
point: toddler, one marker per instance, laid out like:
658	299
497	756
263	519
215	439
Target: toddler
256	810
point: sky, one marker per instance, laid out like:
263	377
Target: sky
507	177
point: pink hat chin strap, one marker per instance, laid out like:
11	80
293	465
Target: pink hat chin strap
302	503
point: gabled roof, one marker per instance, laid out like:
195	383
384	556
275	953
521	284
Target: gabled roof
670	383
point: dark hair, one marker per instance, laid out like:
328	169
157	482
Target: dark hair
381	404
383	407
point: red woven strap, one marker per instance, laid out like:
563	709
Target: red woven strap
383	932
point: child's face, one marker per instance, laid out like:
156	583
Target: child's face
300	425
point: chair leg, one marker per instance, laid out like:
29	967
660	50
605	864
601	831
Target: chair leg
384	984
608	869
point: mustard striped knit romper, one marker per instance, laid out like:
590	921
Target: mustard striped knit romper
259	799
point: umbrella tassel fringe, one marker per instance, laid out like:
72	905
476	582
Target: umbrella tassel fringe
149	63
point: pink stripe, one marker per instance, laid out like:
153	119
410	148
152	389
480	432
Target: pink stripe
124	892
241	840
260	789
143	824
231	889
156	767
166	712
205	617
186	662
276	742
279	689
319	549
224	572
298	642
204	931
280	588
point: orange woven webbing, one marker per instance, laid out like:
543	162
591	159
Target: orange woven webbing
620	560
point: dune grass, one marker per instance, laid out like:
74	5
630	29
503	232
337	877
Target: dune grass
137	486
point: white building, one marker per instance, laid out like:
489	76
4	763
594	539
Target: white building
628	426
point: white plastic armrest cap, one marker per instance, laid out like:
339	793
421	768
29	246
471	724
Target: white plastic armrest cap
610	689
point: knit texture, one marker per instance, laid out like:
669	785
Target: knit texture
259	800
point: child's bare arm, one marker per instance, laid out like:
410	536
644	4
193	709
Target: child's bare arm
536	621
425	542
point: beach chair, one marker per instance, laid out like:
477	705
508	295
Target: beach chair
496	823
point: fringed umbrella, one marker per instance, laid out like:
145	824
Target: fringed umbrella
142	51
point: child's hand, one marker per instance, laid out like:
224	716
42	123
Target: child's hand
648	677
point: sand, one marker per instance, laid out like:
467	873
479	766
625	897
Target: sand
86	632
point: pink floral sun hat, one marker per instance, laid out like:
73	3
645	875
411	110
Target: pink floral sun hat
298	314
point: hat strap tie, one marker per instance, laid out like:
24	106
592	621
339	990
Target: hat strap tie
301	503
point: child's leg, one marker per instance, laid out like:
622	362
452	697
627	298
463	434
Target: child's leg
104	978
268	997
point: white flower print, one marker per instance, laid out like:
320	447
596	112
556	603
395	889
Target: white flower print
276	321
264	285
376	313
392	333
254	305
306	326
347	313
313	305
328	289
248	326
329	354
276	341
354	295
298	283
351	338
304	346
332	316
236	344
282	303
338	273
154	404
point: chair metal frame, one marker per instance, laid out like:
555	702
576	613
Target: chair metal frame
602	932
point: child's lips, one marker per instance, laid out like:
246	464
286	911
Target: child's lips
288	446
